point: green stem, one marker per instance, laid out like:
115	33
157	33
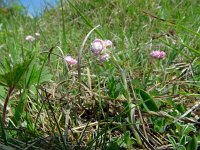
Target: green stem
64	43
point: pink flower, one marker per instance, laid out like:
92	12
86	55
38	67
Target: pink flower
158	54
104	57
97	46
70	60
107	43
30	38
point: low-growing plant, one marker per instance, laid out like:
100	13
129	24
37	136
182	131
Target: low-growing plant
102	75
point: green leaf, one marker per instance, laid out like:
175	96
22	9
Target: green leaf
44	75
115	88
2	92
184	129
137	83
172	141
37	74
183	140
127	139
180	108
180	147
192	49
20	108
160	124
187	129
148	102
13	76
193	144
188	30
113	145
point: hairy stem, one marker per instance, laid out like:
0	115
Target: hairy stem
5	105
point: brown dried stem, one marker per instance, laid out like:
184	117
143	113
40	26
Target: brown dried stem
5	105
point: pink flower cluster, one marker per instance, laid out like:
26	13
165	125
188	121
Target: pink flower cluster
70	60
104	57
158	54
99	47
31	38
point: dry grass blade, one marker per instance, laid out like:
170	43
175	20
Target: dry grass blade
196	106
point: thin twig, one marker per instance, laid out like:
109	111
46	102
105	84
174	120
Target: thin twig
188	111
142	122
156	17
144	138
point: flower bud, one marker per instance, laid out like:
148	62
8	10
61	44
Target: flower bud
30	38
158	54
97	46
107	43
70	60
104	57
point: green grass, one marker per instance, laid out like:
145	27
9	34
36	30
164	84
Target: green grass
131	101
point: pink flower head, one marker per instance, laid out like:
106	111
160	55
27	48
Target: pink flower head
104	57
158	54
70	60
30	38
37	34
97	46
107	43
